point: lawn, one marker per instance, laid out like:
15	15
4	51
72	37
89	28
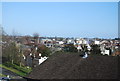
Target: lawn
2	75
22	71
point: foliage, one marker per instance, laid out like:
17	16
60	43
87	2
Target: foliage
13	70
2	75
84	47
45	51
35	35
22	71
22	68
12	53
95	49
70	48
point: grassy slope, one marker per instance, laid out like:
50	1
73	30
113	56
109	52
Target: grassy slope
2	75
22	71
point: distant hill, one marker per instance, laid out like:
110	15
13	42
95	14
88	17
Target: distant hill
72	66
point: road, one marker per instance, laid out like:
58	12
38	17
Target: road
11	74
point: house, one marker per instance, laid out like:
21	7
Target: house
72	66
70	41
106	52
97	42
47	42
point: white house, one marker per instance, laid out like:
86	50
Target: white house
60	42
47	42
106	52
97	42
84	41
70	41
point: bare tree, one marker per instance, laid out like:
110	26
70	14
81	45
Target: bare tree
36	37
27	38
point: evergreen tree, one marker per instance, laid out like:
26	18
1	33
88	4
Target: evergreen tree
95	50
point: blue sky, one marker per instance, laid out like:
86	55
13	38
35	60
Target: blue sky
63	19
0	12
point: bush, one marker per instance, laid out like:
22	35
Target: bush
95	50
70	48
45	51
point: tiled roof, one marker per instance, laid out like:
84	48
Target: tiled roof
72	66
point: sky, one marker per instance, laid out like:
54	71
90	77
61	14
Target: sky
0	12
61	19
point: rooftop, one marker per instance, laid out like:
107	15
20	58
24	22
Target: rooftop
72	66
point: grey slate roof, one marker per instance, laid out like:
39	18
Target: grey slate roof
72	66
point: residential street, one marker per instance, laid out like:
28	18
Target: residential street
11	74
